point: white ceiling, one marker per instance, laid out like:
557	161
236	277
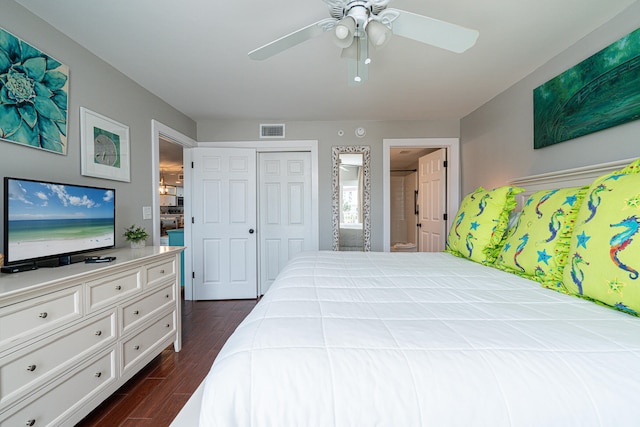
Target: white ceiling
406	158
193	54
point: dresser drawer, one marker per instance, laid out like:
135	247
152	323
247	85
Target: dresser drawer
38	315
104	291
44	359
158	272
138	311
144	341
52	407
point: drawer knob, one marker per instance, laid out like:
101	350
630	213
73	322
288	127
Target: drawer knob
31	422
137	347
162	271
136	312
98	333
31	368
98	374
43	315
118	288
167	295
168	325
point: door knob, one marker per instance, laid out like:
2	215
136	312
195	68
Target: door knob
251	231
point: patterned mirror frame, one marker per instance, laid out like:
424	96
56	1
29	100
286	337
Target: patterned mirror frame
365	150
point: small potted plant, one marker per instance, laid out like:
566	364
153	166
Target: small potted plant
136	235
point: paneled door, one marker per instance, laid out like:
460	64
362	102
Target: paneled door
224	223
432	186
285	211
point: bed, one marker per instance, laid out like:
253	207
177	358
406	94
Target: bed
410	339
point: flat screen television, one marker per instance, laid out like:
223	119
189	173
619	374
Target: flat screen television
45	223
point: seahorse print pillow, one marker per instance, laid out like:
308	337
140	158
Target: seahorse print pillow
604	256
537	246
478	230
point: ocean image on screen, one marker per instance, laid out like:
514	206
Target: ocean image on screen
47	219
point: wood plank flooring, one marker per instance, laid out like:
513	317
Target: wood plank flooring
157	393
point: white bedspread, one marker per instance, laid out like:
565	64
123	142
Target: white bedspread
422	339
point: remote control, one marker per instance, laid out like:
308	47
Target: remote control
95	259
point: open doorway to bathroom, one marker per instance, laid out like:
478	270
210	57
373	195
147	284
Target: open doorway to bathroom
404	197
413	149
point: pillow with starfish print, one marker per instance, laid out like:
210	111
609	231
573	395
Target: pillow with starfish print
537	246
604	256
479	228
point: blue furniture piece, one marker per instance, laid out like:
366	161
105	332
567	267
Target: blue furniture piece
176	238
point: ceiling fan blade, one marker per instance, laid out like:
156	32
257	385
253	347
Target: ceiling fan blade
293	39
433	31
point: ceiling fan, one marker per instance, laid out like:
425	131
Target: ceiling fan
359	24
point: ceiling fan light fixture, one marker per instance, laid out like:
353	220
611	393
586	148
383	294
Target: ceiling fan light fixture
378	34
344	32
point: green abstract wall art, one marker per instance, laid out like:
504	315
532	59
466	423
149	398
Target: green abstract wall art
600	92
33	96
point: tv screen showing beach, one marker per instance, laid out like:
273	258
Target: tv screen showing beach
46	219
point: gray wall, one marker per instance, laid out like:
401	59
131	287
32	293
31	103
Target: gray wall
327	135
99	87
497	138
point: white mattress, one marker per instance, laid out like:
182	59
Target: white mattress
410	339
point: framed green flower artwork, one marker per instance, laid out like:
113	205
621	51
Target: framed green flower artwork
33	96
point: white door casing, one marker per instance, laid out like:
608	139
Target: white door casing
432	206
453	176
224	223
284	208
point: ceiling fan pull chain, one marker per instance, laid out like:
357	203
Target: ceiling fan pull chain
357	77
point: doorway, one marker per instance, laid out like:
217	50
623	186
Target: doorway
452	187
403	197
171	191
183	143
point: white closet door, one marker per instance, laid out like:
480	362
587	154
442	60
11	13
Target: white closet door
285	211
224	227
432	177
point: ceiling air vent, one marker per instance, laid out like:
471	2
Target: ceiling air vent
271	131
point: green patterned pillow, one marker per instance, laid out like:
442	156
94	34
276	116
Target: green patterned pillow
479	227
537	247
604	256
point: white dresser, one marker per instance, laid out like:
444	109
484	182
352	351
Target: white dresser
70	336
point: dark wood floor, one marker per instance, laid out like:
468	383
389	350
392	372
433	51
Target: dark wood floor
157	393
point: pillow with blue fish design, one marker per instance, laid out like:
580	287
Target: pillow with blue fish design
537	246
479	228
604	256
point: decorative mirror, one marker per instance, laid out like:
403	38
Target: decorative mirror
351	198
